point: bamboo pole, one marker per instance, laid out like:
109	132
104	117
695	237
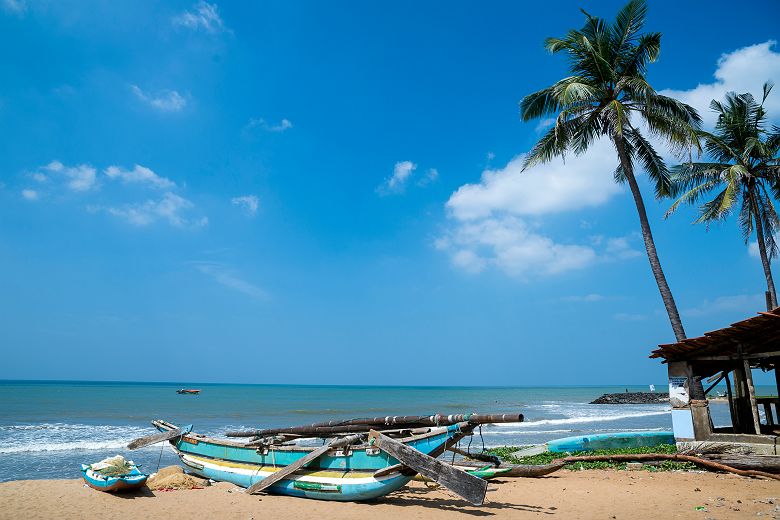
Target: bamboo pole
359	425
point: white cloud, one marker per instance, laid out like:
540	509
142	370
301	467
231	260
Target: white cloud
139	175
30	194
163	100
77	178
740	71
396	183
753	250
15	6
203	16
284	124
430	176
579	182
487	228
749	303
226	277
169	208
249	203
510	245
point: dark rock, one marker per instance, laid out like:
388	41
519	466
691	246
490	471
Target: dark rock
633	398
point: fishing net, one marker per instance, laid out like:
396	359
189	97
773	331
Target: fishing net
113	466
173	477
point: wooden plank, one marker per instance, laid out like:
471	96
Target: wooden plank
298	464
752	395
466	486
157	437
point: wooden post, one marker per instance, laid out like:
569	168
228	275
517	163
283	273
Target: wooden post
777	382
732	412
751	390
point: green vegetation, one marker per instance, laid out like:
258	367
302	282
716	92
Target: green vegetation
505	453
744	173
606	87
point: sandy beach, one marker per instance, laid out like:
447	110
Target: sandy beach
585	494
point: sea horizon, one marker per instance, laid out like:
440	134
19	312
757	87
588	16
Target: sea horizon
48	428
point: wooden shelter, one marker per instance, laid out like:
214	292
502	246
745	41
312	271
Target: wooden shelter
727	355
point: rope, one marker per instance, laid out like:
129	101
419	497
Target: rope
160	459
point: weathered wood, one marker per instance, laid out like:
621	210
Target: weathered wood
359	425
768	463
298	464
154	439
752	396
641	457
518	470
467	486
484	457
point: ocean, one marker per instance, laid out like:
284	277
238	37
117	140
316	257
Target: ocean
47	429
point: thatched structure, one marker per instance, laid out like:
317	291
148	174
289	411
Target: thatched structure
728	355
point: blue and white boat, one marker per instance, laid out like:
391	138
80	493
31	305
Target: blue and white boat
349	473
610	441
134	478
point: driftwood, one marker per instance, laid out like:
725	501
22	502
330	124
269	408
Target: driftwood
362	425
484	457
768	463
639	457
517	470
463	484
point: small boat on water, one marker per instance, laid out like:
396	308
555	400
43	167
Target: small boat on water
113	474
360	459
188	391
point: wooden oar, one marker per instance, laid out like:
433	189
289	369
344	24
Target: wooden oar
158	437
298	464
467	486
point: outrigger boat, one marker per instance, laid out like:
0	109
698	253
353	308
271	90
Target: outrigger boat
188	391
362	459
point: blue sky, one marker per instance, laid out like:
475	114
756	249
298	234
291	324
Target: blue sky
308	192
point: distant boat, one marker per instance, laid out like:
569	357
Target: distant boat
188	391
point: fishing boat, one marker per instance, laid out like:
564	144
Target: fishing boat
128	478
360	459
609	441
188	391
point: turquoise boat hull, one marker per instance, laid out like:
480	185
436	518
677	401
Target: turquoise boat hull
338	475
134	480
610	441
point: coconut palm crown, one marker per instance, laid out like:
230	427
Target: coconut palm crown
745	174
607	95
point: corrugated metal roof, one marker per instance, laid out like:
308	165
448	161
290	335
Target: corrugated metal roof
755	335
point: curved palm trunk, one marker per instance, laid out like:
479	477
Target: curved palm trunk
647	235
770	283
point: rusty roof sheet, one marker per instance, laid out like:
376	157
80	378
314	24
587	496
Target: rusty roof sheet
758	334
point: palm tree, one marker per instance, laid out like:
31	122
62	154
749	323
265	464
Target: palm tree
606	89
745	172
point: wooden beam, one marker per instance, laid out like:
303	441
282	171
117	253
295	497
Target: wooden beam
752	395
756	355
463	484
157	437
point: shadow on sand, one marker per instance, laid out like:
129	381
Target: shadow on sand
417	497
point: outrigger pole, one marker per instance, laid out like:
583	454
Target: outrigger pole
366	424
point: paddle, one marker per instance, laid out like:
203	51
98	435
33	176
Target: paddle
467	486
298	464
158	437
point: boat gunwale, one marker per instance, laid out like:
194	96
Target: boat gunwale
432	432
